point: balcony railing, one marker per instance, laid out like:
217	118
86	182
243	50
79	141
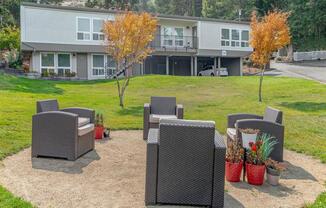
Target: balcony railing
175	43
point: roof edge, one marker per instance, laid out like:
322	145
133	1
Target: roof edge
86	9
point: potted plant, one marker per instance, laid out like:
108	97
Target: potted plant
274	170
99	126
248	135
234	161
257	155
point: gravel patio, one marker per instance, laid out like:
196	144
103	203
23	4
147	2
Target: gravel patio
114	176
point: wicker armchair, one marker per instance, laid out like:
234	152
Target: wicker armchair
67	133
185	164
160	107
270	123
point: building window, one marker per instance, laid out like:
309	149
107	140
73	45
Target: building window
83	29
168	36
225	38
47	63
179	36
173	36
98	29
111	66
64	65
98	65
235	38
244	38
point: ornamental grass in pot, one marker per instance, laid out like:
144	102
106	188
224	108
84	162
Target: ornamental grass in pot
248	135
257	155
274	170
234	161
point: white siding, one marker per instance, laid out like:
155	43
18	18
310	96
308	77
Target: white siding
44	25
210	35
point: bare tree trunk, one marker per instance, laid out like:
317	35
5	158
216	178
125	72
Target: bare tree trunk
261	83
122	89
119	91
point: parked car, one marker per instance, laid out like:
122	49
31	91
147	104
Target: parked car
209	71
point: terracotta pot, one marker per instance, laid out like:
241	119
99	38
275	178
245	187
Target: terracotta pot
255	174
273	176
99	130
233	171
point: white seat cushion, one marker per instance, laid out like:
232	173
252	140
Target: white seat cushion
232	132
155	118
83	121
85	129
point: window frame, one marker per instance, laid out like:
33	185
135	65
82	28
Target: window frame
227	42
235	41
177	38
110	68
246	42
47	68
173	37
64	67
98	68
100	34
83	32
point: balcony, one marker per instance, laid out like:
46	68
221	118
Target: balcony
163	43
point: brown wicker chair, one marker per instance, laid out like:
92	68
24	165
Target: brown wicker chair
160	107
270	123
185	164
67	133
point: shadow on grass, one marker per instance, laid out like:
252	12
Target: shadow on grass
65	166
133	111
305	106
17	84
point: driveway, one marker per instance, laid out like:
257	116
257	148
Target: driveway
313	71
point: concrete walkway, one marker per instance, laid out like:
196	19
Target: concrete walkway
312	71
113	176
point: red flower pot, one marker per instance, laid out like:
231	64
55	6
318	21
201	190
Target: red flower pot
99	130
255	174
233	171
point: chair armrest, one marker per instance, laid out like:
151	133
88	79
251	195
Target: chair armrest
55	129
219	171
179	111
153	136
151	167
147	109
82	112
219	141
147	112
232	118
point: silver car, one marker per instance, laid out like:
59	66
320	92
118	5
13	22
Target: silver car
209	71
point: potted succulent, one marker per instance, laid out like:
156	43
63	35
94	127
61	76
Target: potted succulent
248	135
274	170
99	126
257	155
234	161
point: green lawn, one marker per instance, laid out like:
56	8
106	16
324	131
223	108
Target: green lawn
209	98
7	200
320	202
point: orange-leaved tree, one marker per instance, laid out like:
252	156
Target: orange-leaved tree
128	38
267	35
